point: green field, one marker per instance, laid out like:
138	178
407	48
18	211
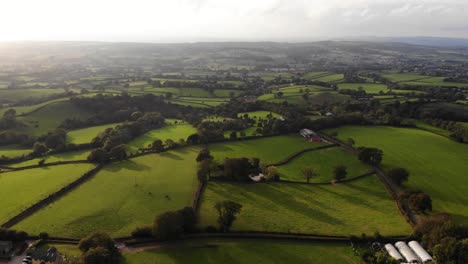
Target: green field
268	150
66	156
437	165
323	161
20	110
259	114
122	196
370	88
327	98
314	75
422	80
14	95
50	117
330	78
13	151
21	189
192	92
86	135
246	251
361	206
425	126
174	132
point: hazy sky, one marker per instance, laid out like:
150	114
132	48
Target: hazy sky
211	20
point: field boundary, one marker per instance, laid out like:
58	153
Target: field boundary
52	197
330	182
297	154
51	164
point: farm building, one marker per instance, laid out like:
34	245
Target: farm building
307	133
311	135
406	252
6	248
393	252
50	256
258	178
420	252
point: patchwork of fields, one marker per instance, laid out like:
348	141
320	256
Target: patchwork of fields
357	207
242	251
436	164
121	196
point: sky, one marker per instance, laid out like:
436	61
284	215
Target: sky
228	20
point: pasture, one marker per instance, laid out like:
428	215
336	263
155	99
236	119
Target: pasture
21	189
86	135
268	150
353	208
333	78
437	165
21	110
370	88
13	151
259	114
323	161
122	196
174	132
66	156
245	251
422	80
14	95
50	117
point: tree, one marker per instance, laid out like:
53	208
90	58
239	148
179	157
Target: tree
10	114
309	173
39	149
98	156
227	211
420	202
233	135
340	172
446	251
168	225
398	175
193	139
204	154
170	143
99	248
371	156
350	142
238	169
118	152
157	145
272	173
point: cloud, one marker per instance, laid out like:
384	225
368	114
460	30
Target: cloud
195	20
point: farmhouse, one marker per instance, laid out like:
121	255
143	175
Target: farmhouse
6	248
310	135
50	256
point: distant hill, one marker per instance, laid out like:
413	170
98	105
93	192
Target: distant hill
426	41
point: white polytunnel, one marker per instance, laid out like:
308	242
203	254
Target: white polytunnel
393	252
421	252
407	252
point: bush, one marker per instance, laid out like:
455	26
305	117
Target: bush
142	232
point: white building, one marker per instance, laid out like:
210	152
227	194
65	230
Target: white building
420	252
406	252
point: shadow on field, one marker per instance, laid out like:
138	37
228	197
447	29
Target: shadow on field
171	155
129	165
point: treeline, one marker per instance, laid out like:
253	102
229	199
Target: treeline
111	109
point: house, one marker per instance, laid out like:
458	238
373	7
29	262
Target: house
258	178
329	114
50	256
6	249
307	133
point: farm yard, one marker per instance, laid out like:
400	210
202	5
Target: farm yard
239	251
436	164
121	197
324	209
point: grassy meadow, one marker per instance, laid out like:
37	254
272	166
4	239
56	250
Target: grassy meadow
361	206
437	165
268	150
235	251
370	88
13	151
66	156
86	135
323	161
121	196
21	189
50	117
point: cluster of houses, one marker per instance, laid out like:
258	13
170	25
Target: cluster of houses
412	252
310	135
35	256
